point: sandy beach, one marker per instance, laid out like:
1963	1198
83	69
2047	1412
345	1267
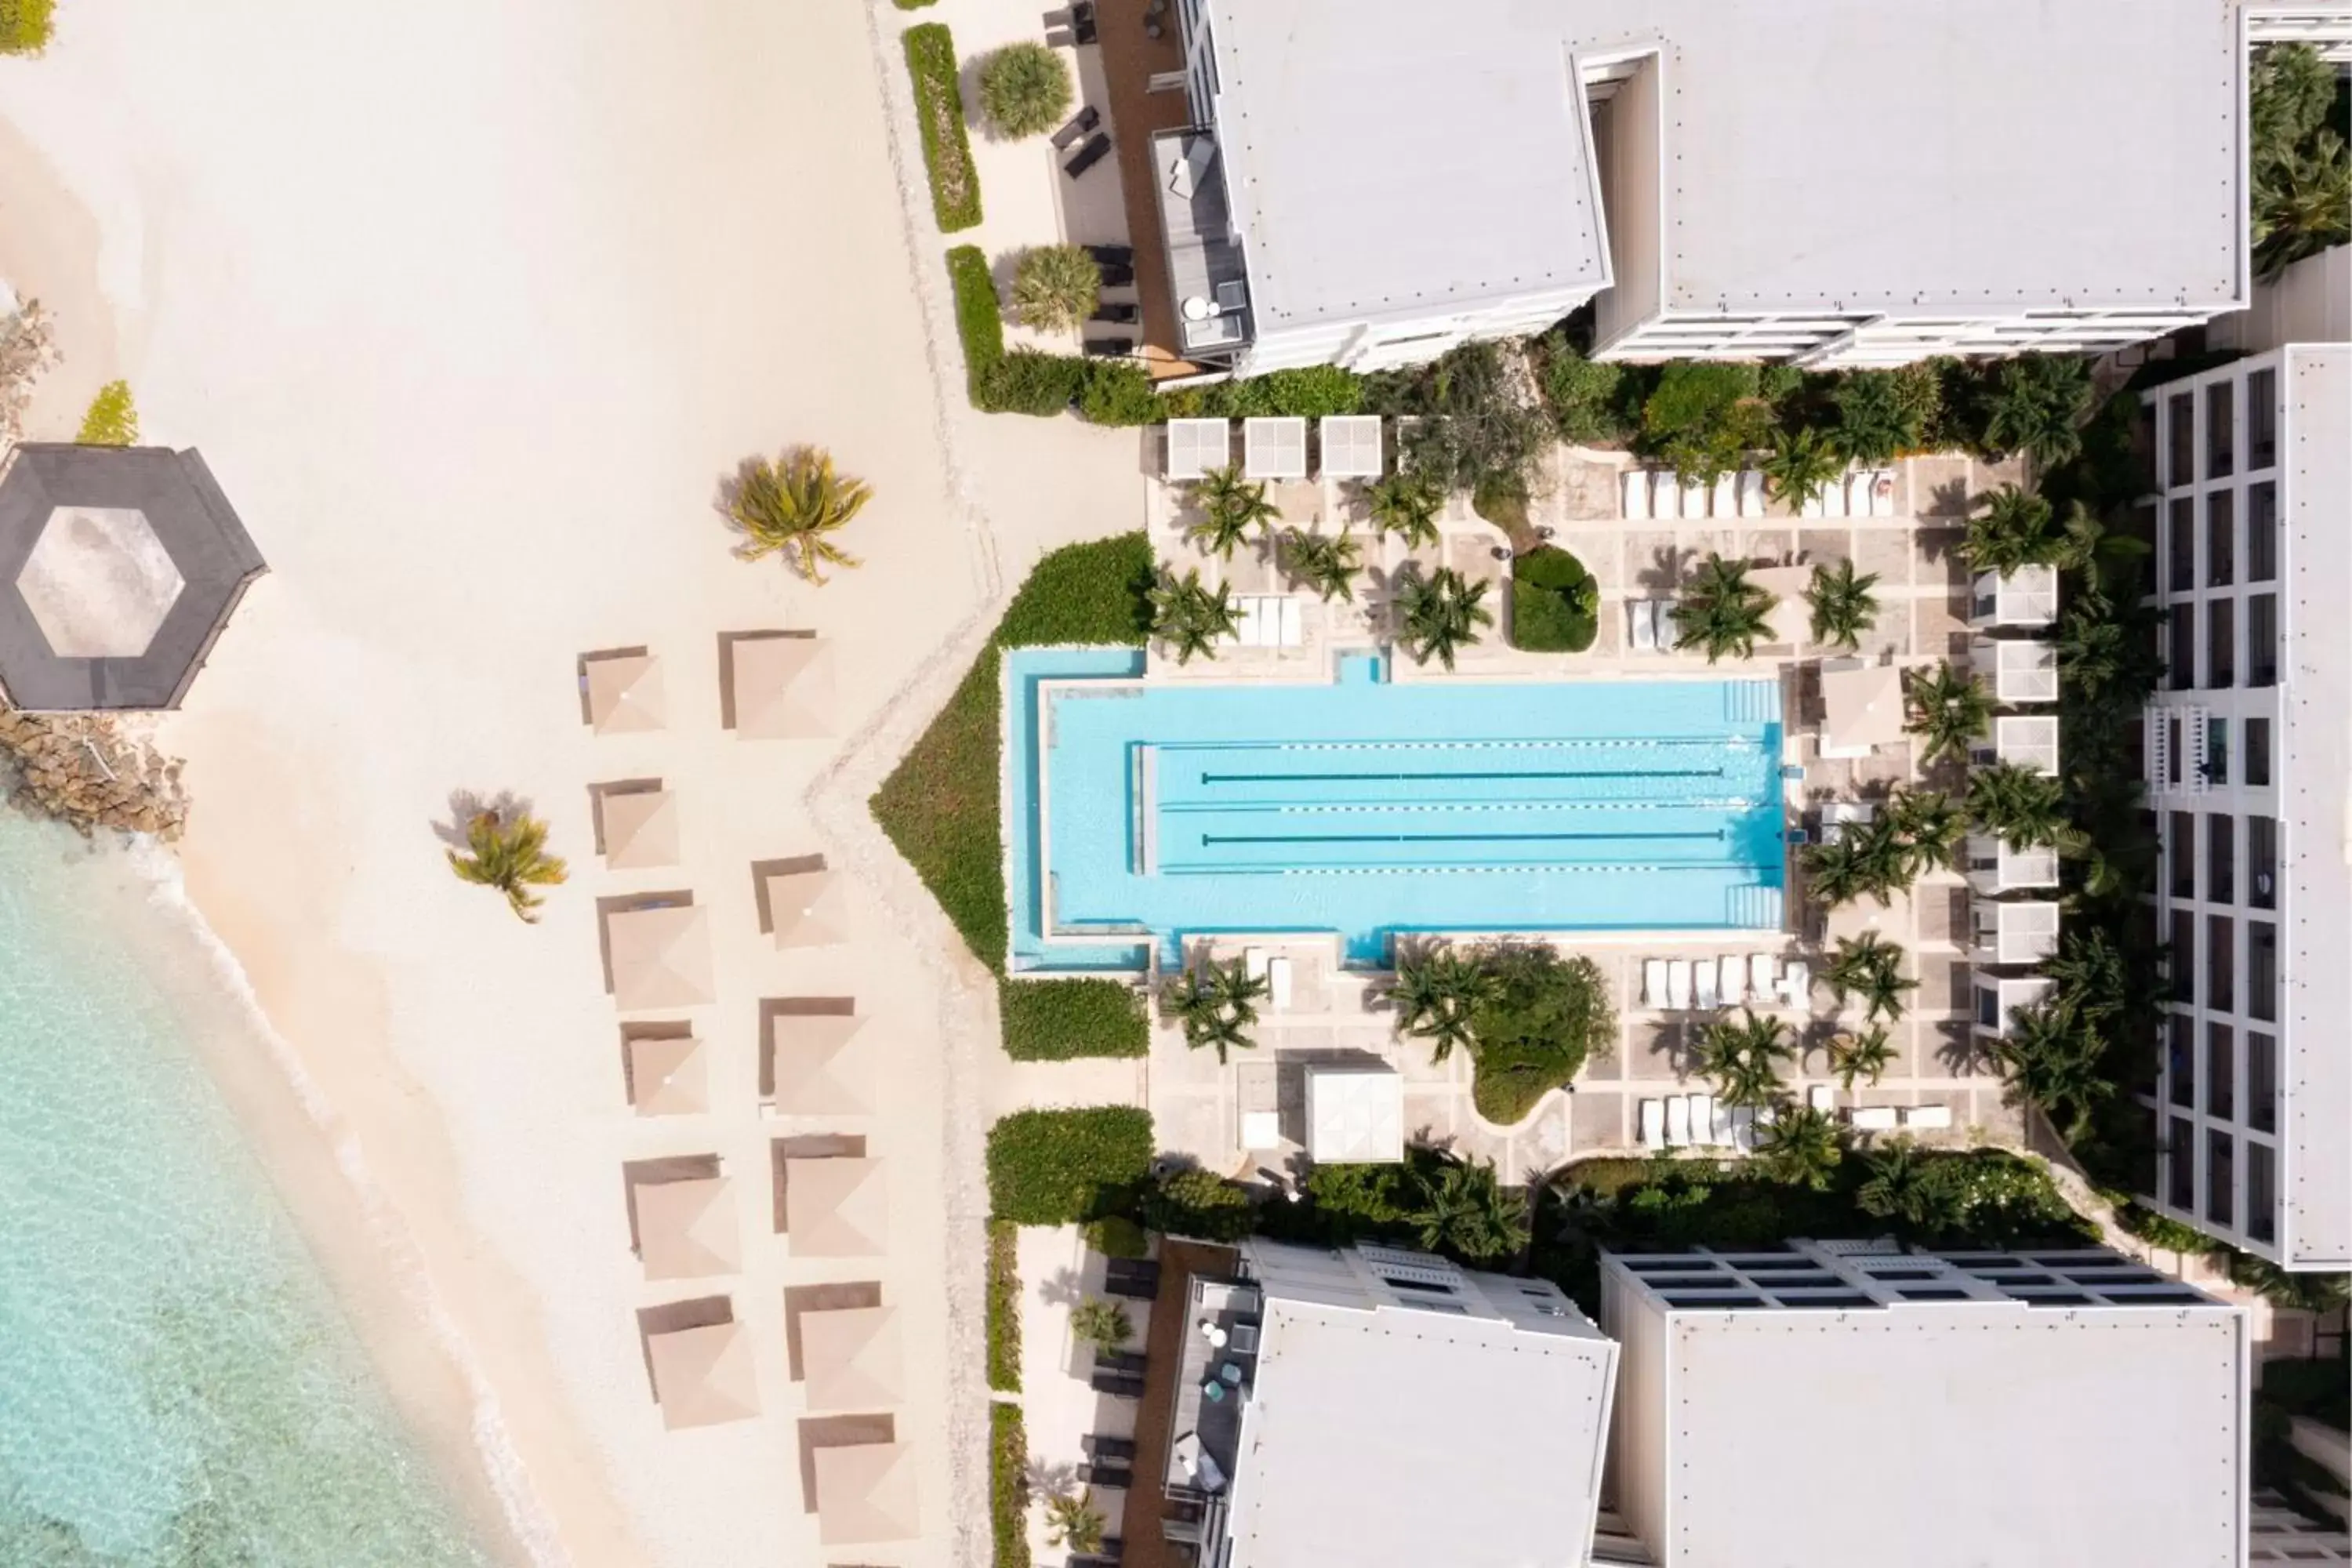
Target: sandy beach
470	310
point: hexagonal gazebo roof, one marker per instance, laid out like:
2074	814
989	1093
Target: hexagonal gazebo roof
123	565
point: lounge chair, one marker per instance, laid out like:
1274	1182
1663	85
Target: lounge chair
1733	977
1293	624
1278	976
1678	985
1666	494
1120	1476
1702	1118
1634	490
1694	498
1653	1124
1709	998
1119	312
1930	1116
1858	485
1245	621
1253	962
1882	493
1118	1384
1654	982
1874	1118
1743	1127
1751	492
1821	1097
1109	348
1641	624
1797	983
1081	124
1081	21
1759	976
1814	506
1834	497
1669	634
1120	1449
1097	148
1136	1279
1117	274
1727	496
1677	1121
1722	1128
1131	1362
1110	255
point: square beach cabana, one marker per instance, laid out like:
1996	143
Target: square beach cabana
1197	445
687	1230
703	1376
865	1493
816	1066
1861	709
852	1358
779	686
837	1207
1355	1115
658	956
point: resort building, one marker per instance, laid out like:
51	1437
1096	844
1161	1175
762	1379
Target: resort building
1319	1407
1853	1403
1371	184
2247	749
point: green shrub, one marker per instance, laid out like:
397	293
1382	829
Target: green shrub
1055	287
1062	1167
1027	382
1586	398
1117	392
1501	498
2319	1388
938	110
2161	1231
980	316
26	26
1116	1235
112	419
1197	1203
1702	418
1309	392
1008	1484
1052	1020
1555	603
1025	90
1533	1028
1003	1307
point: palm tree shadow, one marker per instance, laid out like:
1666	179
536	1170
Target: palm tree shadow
1958	1050
1668	565
466	805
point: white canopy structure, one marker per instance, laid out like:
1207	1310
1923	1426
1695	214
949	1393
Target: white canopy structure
1274	448
2016	670
2028	741
1355	1115
1197	445
2025	932
1351	446
1861	709
2025	597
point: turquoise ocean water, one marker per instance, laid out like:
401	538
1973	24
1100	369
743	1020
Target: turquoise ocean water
178	1387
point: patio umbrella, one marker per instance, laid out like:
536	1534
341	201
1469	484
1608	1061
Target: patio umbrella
1861	708
660	957
667	1076
783	687
640	827
804	908
835	1208
865	1492
815	1069
687	1230
624	694
703	1376
852	1358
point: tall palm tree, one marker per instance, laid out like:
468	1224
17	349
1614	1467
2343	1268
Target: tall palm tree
1802	1147
1905	1187
2085	540
1230	509
1947	708
1722	612
1189	999
2093	984
1237	991
1406	504
1440	613
1861	1058
1871	967
1461	1209
1743	1059
793	507
2024	808
1843	605
1188	617
1438	995
2037	405
1933	828
510	857
2010	528
2057	1064
1326	563
2092	651
2301	201
1802	464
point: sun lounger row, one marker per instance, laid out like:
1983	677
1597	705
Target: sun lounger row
1270	620
1662	493
1681	985
1864	492
1691	1121
1650	626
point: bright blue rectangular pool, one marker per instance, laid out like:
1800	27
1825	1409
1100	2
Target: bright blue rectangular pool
1140	813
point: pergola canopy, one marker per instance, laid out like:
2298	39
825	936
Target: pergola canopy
1197	445
1355	1115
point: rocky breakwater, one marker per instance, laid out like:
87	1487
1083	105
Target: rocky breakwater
92	771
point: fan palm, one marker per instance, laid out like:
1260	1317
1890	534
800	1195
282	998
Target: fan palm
1802	1147
1075	1522
2024	808
1801	465
2037	405
1462	1211
1861	1058
793	507
2057	1064
1722	612
1440	613
1325	563
1933	828
1055	287
2010	528
1101	1321
510	857
1188	617
1843	605
1230	507
1947	708
1743	1058
1406	504
1871	967
1024	89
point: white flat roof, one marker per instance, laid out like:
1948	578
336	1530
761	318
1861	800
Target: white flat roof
1392	156
1400	1437
1974	157
1955	1436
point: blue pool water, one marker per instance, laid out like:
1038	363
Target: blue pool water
1158	812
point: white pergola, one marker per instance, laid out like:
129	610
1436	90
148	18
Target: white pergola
2029	741
1274	448
1351	446
2025	597
2018	932
1994	868
1197	445
2016	670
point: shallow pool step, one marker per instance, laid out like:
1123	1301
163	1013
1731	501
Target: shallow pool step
1753	907
1751	702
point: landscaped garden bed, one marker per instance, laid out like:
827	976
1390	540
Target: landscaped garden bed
938	112
1555	603
1066	1167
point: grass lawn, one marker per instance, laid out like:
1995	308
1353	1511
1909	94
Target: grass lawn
942	806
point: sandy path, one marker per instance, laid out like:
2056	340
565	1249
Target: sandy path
469	308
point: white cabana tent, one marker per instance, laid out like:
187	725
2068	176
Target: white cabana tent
1197	445
1274	448
1351	446
1355	1115
2016	670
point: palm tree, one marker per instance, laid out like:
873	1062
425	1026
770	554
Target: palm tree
2038	403
1025	90
1216	1004
2056	1064
1801	465
1861	1058
1438	994
2024	808
1102	1322
1406	504
1844	606
2093	650
1188	617
1903	1186
1055	287
1743	1059
1075	1522
510	857
2300	204
1237	991
793	507
1230	507
1440	613
1326	563
1948	707
2010	528
1802	1147
2093	982
1933	828
1187	998
1868	858
1722	612
2085	540
1871	967
1464	1211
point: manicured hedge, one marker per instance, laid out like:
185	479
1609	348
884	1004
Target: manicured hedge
938	110
1550	604
1008	1484
1061	1167
1052	1020
980	316
1003	1307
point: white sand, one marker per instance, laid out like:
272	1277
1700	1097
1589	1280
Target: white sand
469	308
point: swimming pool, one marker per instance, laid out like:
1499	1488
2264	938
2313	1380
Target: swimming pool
1140	814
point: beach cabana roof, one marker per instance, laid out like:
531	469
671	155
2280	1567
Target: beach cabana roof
1861	708
804	906
835	1208
126	563
687	1230
816	1068
1355	1115
783	687
667	1075
703	1376
640	827
660	957
865	1492
625	693
852	1359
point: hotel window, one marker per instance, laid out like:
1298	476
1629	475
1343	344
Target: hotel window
2182	413
2181	1181
2262	862
2220	963
2220	1071
2221	538
2258	752
2221	1177
2261	1082
2173	752
2221	643
2216	749
2262	419
2262	640
2262	971
2181	667
2262	1196
2221	428
2180	1056
2180	848
2261	533
2220	859
2181	959
2181	542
